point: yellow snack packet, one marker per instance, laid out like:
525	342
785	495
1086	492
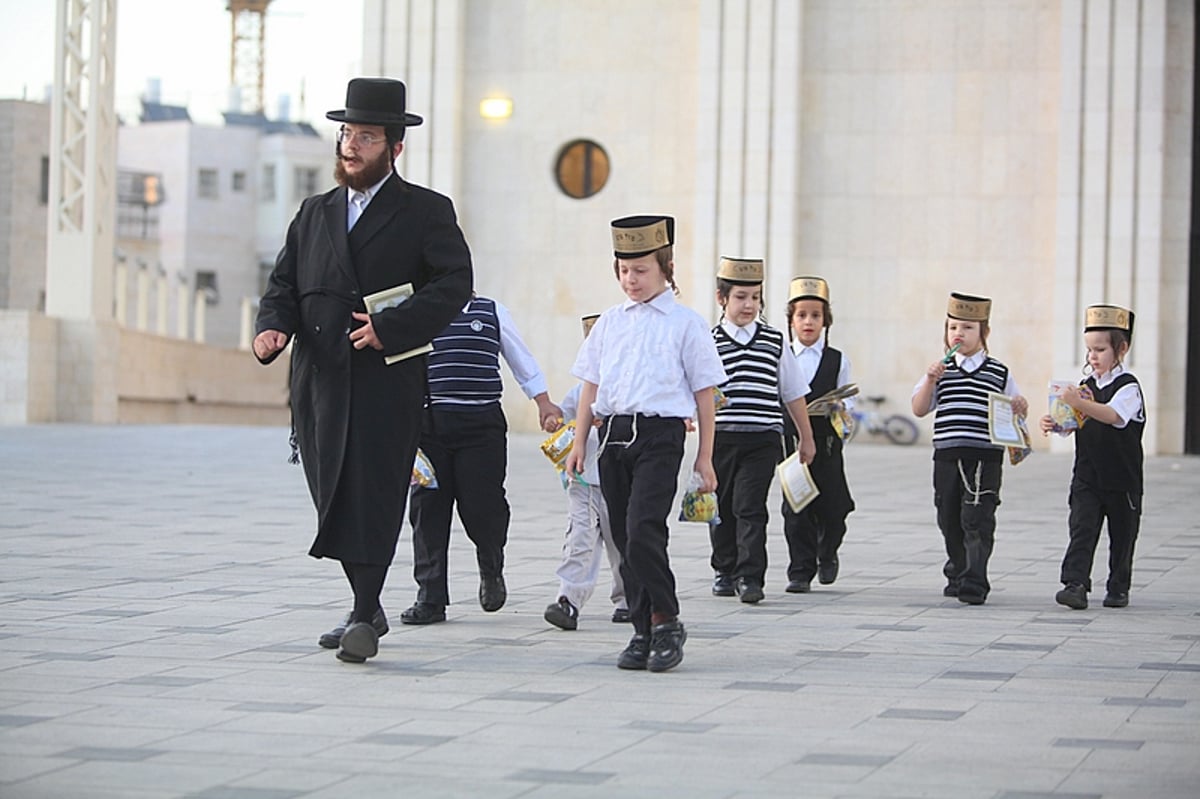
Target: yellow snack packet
558	446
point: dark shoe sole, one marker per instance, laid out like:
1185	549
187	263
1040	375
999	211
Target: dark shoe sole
950	591
752	596
798	587
333	638
1116	601
359	642
1071	601
560	618
971	599
724	591
423	618
492	600
621	616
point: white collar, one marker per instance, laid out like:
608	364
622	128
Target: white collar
1109	376
732	330
662	302
369	192
818	346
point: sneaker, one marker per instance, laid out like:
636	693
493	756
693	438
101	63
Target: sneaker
636	653
621	616
562	614
666	645
1118	600
1073	595
723	585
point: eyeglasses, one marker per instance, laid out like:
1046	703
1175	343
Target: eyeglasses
364	139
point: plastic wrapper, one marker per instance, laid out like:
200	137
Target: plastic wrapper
842	421
1065	417
558	446
697	505
1018	454
719	399
423	475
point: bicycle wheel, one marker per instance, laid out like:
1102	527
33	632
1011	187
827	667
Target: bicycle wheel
900	430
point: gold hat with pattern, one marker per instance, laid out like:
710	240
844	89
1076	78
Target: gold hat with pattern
808	287
589	322
635	236
742	271
968	308
1106	317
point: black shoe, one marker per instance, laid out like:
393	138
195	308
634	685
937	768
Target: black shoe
636	653
827	572
798	586
971	599
562	614
621	616
1074	596
359	642
423	613
666	645
951	589
492	593
749	591
333	638
1118	600
723	585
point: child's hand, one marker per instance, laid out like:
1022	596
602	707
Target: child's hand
1071	396
935	371
808	449
689	425
1020	405
708	476
1046	423
573	465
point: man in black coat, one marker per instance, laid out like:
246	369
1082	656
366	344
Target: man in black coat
356	418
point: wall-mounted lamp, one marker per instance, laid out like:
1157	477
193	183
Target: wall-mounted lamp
495	108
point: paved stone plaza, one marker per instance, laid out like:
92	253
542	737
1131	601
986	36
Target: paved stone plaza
160	619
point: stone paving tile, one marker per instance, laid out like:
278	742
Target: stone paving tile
160	620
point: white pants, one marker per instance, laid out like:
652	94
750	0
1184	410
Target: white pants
581	554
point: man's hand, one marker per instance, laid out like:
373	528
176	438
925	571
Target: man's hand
269	342
364	336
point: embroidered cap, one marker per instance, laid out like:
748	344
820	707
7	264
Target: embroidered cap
808	287
742	271
589	322
1108	317
968	308
635	236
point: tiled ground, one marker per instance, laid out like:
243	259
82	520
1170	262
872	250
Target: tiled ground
159	623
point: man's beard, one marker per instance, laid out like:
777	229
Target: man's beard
373	171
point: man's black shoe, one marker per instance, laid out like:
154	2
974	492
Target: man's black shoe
562	614
492	593
621	616
723	585
423	613
798	586
971	599
666	645
1118	600
636	653
749	591
1073	595
951	589
359	642
333	638
827	572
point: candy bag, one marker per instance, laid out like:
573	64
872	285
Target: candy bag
1018	454
697	505
558	446
720	401
422	472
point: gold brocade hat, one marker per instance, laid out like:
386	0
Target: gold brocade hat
808	287
589	322
968	308
635	236
1105	317
742	271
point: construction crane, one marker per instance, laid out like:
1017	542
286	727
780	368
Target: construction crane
247	51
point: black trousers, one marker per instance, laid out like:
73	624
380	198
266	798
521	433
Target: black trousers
469	454
1089	508
638	475
815	533
966	493
745	464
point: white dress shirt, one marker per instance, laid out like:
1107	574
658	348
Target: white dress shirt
357	202
1127	402
808	358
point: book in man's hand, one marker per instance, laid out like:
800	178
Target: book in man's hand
390	298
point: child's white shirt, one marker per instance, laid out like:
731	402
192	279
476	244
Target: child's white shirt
1127	402
808	359
649	358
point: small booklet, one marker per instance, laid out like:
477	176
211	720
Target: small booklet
390	298
796	482
828	402
1002	422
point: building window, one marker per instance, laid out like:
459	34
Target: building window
306	182
44	186
581	168
268	183
238	183
206	185
207	282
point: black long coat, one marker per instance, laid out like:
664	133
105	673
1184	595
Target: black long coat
357	420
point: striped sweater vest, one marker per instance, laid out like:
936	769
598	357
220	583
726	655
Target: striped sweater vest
753	385
464	367
961	399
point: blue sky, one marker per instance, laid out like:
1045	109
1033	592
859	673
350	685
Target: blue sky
310	44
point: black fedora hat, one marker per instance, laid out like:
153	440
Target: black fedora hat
375	101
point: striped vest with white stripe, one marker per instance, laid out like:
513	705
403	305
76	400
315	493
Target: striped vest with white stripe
961	399
464	367
753	385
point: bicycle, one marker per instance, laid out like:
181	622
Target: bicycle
898	429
